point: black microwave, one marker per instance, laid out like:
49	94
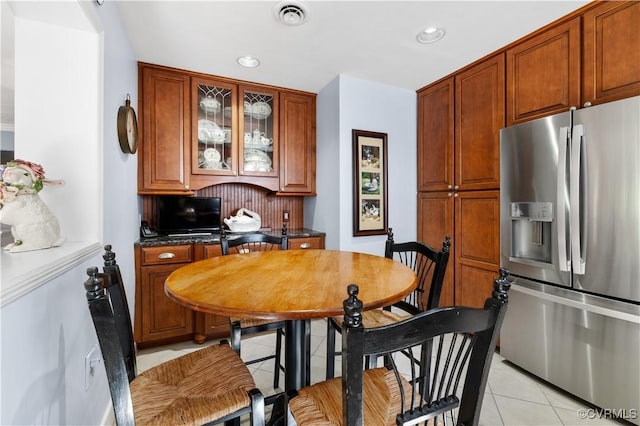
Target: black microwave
188	215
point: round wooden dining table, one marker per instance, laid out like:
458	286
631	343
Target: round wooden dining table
292	285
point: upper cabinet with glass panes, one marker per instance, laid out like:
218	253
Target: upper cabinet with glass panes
235	133
215	146
258	132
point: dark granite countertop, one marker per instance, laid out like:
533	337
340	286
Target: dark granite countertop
215	238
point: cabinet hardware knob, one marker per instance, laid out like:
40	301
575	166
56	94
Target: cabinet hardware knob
186	187
449	194
305	245
449	186
456	187
166	255
455	195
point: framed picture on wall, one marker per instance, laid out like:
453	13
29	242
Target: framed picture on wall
369	183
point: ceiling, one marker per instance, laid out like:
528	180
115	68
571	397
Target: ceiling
371	40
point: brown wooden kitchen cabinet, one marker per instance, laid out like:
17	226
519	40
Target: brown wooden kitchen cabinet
479	116
236	134
543	73
297	143
590	59
611	52
157	318
472	219
165	133
477	252
201	130
458	147
436	221
214	129
459	122
435	136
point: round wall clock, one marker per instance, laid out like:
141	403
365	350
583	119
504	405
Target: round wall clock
127	128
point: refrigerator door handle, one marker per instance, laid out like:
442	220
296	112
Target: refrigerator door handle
577	257
563	258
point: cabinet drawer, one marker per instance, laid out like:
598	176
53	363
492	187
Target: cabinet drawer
167	254
306	243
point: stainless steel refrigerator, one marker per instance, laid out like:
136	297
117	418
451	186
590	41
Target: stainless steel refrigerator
570	238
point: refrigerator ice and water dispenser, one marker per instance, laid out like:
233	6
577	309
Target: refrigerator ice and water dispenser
531	232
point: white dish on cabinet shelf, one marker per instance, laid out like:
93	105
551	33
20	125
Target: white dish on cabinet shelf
260	110
210	104
208	131
256	161
211	154
258	146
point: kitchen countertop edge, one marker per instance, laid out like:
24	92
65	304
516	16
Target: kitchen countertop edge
212	239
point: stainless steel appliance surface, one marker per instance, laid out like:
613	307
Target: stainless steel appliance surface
570	237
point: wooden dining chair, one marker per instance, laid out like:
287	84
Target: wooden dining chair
211	385
430	267
248	243
453	384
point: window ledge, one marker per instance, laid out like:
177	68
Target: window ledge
24	272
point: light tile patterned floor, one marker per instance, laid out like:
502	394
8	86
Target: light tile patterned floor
513	397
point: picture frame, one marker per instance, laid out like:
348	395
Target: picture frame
370	211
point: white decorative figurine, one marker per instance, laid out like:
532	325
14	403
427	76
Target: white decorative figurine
33	225
242	222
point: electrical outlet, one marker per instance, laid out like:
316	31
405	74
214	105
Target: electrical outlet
285	215
91	361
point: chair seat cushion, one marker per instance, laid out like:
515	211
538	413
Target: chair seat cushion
321	403
375	318
192	389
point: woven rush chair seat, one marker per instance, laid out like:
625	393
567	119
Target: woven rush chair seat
194	389
321	403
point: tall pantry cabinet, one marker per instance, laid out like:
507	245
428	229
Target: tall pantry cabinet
458	176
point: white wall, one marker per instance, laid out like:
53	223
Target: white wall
56	119
47	333
322	212
364	105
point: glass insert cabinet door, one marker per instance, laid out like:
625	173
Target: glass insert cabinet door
215	147
258	132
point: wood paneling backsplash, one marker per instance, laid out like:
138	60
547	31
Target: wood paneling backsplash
235	196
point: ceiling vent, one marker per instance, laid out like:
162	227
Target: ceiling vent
291	12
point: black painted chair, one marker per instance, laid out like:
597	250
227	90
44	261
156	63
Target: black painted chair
247	243
430	267
211	385
452	386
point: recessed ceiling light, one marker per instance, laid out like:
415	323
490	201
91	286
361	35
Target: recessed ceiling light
430	35
248	61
